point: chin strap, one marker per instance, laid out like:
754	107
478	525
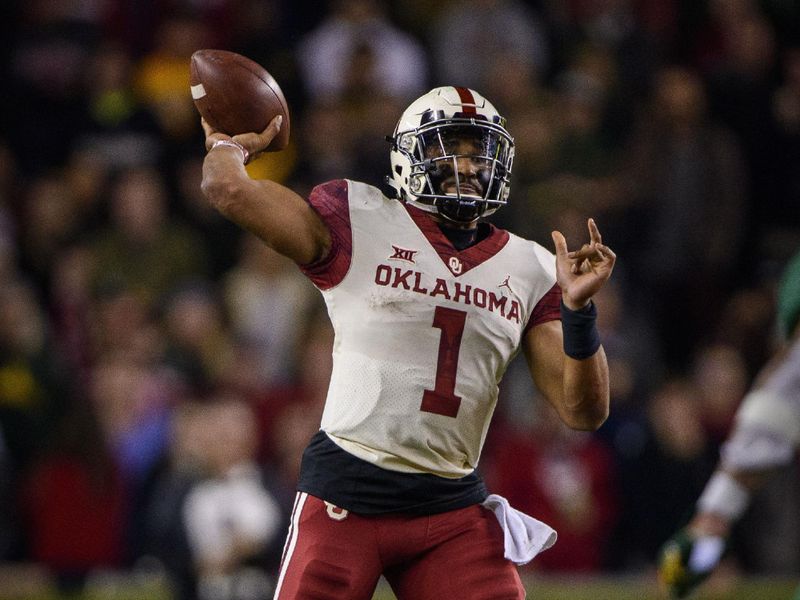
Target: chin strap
451	207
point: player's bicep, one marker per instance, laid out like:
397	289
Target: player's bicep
288	224
269	210
542	346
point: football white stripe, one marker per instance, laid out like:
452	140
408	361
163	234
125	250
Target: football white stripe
291	541
198	91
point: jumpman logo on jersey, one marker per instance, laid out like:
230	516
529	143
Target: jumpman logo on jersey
403	254
505	283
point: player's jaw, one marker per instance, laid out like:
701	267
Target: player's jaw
464	189
465	184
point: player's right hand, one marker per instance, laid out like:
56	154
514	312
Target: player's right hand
686	560
254	142
257	142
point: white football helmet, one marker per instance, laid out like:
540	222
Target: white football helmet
430	139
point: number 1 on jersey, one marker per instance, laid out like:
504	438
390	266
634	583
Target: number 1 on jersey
442	399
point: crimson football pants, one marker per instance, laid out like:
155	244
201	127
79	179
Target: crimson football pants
331	554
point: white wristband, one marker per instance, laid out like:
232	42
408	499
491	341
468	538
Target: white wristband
724	496
232	144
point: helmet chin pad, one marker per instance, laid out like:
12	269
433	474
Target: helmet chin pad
460	211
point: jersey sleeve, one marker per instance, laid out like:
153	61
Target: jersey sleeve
547	309
330	201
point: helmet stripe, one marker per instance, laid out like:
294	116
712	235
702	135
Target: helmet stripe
467	100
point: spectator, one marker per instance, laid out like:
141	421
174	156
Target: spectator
357	40
134	403
161	76
532	106
215	232
119	131
51	49
670	470
199	348
10	534
786	107
75	502
268	300
9	189
231	518
33	387
618	27
50	219
746	322
471	42
263	31
635	369
297	399
578	172
120	324
740	92
688	188
720	373
158	528
567	479
142	248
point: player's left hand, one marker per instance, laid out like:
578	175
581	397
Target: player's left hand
581	273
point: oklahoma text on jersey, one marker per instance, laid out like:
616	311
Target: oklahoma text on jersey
415	281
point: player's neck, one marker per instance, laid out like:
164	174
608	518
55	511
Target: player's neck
461	238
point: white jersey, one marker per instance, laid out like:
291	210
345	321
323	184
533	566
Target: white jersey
423	332
767	433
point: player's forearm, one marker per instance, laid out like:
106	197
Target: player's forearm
273	212
586	402
725	498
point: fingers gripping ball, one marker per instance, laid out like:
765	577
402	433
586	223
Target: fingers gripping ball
237	95
685	561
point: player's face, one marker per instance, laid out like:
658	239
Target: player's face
459	164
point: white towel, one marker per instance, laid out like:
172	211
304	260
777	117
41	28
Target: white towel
523	536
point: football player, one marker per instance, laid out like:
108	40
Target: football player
765	437
429	304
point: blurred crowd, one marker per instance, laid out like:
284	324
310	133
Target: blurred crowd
161	371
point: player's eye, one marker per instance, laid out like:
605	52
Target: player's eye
433	150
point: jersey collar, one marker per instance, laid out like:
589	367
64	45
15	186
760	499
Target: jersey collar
457	262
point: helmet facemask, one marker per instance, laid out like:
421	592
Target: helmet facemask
462	169
452	158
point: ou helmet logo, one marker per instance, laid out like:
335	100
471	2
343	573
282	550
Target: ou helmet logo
455	264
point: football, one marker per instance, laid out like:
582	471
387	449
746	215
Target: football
237	95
